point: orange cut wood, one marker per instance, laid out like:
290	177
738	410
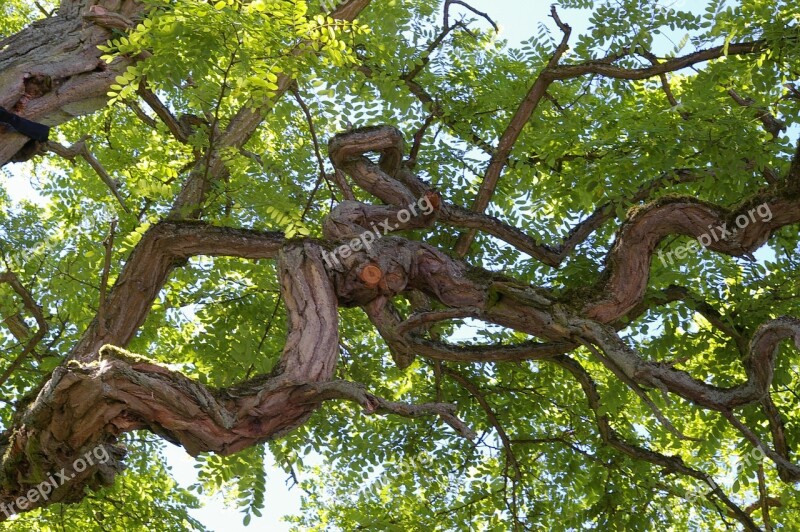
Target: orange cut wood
371	275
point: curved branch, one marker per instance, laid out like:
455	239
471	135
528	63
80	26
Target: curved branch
624	281
395	184
759	366
87	404
406	346
163	247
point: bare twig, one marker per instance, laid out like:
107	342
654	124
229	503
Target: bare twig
375	405
473	389
323	177
481	14
80	149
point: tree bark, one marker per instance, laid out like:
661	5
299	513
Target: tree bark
51	71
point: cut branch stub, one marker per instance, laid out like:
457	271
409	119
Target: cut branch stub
371	275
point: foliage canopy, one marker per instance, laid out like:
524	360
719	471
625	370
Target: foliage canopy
589	151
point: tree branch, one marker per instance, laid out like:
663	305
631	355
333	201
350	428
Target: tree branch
30	304
673	464
80	149
513	131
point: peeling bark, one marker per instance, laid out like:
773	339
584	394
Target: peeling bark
51	72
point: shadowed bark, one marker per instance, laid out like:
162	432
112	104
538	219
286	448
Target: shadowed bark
51	72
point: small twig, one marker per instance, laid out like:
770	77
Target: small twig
653	58
552	99
418	137
794	92
772	125
473	390
162	112
108	244
416	321
79	149
292	475
141	115
425	58
41	8
317	152
353	391
30	304
340	179
479	13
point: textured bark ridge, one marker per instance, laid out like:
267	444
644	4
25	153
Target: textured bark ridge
629	263
120	391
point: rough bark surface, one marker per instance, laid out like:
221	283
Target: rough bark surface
51	72
104	391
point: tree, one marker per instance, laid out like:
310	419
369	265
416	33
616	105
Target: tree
565	274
